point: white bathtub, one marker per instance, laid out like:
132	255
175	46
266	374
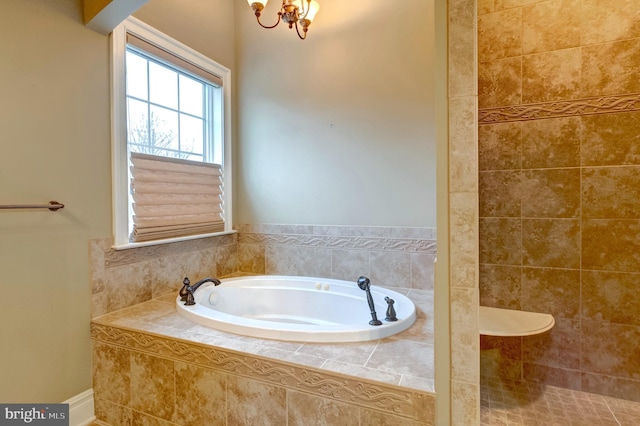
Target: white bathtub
298	309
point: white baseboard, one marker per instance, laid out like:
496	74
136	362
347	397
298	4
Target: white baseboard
81	409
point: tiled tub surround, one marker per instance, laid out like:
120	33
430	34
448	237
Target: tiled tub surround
150	363
136	332
559	161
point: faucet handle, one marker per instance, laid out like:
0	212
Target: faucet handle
183	291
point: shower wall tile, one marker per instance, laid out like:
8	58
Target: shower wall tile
500	146
551	193
500	241
464	361
602	23
551	242
568	119
551	143
551	76
552	291
500	286
611	139
501	357
616	387
600	78
555	348
500	83
500	193
560	377
610	349
611	297
500	35
550	25
611	244
611	192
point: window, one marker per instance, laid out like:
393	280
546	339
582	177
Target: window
171	141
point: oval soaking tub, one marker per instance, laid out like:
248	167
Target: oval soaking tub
301	309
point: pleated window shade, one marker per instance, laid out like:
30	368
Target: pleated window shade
174	197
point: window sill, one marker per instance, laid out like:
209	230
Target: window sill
169	240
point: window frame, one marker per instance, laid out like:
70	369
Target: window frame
119	157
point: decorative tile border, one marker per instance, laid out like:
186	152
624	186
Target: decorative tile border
341	242
578	107
416	405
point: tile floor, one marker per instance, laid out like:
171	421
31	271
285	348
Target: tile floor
515	403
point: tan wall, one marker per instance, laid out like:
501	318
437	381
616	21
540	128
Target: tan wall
56	139
559	178
337	129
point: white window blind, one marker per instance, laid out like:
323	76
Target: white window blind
174	197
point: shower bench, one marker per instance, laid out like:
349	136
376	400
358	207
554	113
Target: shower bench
510	322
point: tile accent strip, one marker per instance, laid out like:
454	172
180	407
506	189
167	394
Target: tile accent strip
341	242
415	405
578	107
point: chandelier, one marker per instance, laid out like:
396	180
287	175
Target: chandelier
298	13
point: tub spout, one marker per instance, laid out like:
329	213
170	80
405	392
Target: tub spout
364	283
188	290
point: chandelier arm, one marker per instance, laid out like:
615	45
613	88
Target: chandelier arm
298	31
305	11
265	26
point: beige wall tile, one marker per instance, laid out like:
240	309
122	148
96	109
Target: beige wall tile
500	241
551	242
551	193
611	297
500	83
200	395
168	272
152	386
464	332
226	260
390	269
251	258
500	286
613	386
462	48
308	410
292	260
500	146
349	264
500	193
610	349
552	291
611	139
128	285
501	357
111	413
550	25
485	6
553	142
463	147
600	78
251	403
370	417
111	373
500	35
465	406
463	252
422	270
611	244
560	377
601	22
611	192
551	76
555	348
